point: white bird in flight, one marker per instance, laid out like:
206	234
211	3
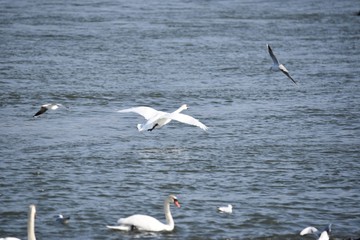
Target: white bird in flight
46	107
227	209
147	223
157	119
323	235
278	66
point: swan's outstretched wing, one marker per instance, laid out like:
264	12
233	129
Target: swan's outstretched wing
272	55
286	72
146	112
309	230
186	119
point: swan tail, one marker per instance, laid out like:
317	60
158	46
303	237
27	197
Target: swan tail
121	227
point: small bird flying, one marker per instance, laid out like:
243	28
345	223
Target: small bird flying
46	107
278	66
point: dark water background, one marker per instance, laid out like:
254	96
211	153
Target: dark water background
285	156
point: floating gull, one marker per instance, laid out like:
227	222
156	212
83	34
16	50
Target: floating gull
324	235
227	209
157	119
61	219
46	107
278	66
148	223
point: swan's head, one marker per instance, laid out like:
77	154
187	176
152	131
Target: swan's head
32	210
173	199
184	107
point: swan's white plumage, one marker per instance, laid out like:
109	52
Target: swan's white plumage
148	223
157	119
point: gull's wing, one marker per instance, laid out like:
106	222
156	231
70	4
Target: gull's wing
146	112
272	55
286	72
41	111
186	119
309	230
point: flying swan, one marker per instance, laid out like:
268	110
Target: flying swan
30	226
157	119
148	223
46	107
324	235
278	66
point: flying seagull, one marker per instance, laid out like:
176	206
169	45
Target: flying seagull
278	66
157	119
46	107
323	235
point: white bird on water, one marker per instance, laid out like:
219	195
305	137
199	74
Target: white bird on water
323	235
227	209
147	223
278	66
62	219
157	119
46	107
30	226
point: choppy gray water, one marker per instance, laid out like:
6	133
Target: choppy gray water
285	156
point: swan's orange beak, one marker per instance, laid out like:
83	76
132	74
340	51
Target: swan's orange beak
176	202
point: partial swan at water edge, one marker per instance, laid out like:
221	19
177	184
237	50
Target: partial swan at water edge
30	225
323	235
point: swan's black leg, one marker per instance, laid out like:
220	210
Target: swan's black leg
153	127
133	228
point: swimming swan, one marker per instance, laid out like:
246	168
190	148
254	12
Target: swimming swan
148	223
157	119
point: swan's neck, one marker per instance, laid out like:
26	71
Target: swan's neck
180	109
169	219
31	223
